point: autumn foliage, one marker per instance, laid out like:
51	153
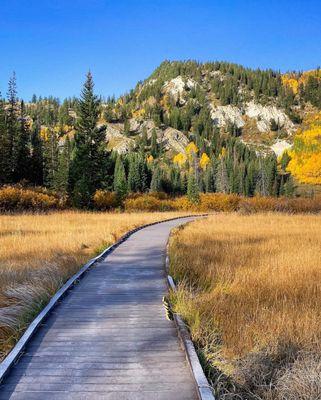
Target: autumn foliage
219	202
305	163
293	80
20	199
105	200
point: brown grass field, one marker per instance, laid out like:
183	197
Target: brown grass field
39	252
251	293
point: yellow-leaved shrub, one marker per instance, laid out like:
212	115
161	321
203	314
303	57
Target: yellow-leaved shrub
21	199
105	200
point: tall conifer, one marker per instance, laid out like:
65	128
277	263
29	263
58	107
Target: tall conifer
88	168
12	125
22	148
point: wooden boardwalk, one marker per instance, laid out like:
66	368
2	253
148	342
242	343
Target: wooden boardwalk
109	337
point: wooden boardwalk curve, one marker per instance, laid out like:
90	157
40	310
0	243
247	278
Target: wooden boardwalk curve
109	337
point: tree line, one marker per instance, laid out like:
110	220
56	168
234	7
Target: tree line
73	159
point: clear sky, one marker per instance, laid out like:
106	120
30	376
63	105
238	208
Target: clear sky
52	43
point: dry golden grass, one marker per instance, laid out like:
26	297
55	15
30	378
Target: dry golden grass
39	252
252	293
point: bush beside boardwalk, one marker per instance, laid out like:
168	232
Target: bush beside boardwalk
17	199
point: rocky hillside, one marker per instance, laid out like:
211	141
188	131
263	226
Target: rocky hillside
185	101
228	124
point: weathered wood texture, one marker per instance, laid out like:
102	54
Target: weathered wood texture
109	337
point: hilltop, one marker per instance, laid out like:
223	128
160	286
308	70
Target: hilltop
263	108
213	126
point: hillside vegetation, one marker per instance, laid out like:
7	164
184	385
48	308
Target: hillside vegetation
205	127
250	293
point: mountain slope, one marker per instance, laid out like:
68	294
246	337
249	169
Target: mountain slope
261	107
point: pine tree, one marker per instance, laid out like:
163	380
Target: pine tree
120	183
22	148
193	188
285	159
5	162
156	182
143	173
183	188
36	157
51	158
221	179
143	141
250	179
154	147
262	184
209	179
12	125
271	172
175	178
289	187
62	174
89	164
133	174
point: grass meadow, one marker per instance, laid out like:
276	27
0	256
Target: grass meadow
250	291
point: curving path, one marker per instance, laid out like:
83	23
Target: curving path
109	338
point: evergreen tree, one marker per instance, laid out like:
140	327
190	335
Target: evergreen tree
289	187
12	126
62	174
285	159
144	174
154	147
143	141
250	179
183	179
261	183
221	179
36	157
133	181
22	148
51	158
209	179
5	162
156	182
175	179
193	188
271	169
88	167
120	183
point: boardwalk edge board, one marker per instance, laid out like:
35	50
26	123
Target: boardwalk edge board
17	350
203	387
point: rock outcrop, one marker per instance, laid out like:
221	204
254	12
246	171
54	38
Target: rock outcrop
264	116
117	141
174	140
176	88
280	146
224	115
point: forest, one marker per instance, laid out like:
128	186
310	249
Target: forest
62	146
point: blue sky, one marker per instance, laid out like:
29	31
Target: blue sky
52	43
